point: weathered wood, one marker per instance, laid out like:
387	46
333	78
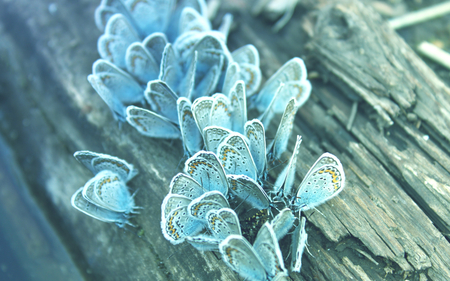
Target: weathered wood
31	249
397	181
352	42
386	224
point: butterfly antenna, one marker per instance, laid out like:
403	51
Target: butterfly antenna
134	206
288	254
170	255
129	223
276	166
315	209
237	207
307	249
181	161
134	193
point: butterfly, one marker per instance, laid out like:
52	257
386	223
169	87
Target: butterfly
261	261
116	87
106	196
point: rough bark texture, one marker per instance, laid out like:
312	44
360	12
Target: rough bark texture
389	222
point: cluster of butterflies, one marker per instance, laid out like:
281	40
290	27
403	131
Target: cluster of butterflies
225	187
106	196
153	68
169	75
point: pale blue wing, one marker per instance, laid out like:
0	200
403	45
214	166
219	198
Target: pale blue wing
210	47
285	180
243	189
92	210
231	77
116	87
223	223
213	136
184	45
113	193
235	156
206	85
172	202
85	157
300	90
198	5
279	144
192	138
151	124
191	20
319	186
119	34
162	99
255	133
269	112
178	225
150	15
140	63
97	162
221	112
247	54
186	186
325	159
293	70
170	69
89	193
298	245
211	200
187	83
239	255
206	169
107	9
282	223
238	102
213	58
155	44
251	75
266	245
201	108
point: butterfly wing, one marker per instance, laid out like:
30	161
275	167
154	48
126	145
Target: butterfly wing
192	138
151	124
325	179
279	144
184	185
266	245
241	257
206	169
245	190
92	210
235	156
214	135
162	99
255	133
140	63
298	245
238	103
